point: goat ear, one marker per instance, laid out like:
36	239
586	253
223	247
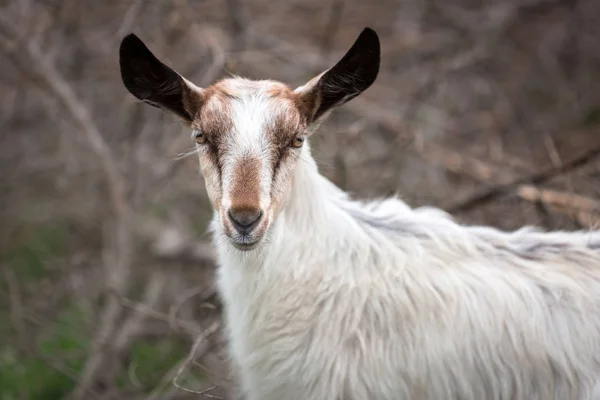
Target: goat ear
352	75
153	82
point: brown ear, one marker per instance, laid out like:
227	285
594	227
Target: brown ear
153	82
352	75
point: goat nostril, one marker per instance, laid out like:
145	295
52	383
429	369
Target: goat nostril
244	220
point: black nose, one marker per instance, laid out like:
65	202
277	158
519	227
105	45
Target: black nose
244	220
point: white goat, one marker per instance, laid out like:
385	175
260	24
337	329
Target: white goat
327	298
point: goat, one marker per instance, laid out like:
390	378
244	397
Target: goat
329	298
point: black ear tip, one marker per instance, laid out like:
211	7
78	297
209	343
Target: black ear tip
129	39
131	43
367	43
369	31
130	36
369	36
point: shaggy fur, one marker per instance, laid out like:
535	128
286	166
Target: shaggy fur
378	301
334	299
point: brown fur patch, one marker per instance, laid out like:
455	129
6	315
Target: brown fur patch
214	120
289	113
286	125
289	118
245	187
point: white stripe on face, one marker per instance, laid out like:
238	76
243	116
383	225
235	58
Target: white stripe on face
258	118
250	125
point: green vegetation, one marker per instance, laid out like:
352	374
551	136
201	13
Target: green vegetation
24	375
28	259
47	368
61	353
63	346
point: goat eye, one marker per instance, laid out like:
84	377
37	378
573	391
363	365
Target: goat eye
297	142
200	137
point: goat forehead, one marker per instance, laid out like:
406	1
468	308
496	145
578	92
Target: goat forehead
261	121
239	87
262	114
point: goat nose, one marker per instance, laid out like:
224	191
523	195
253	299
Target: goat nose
244	220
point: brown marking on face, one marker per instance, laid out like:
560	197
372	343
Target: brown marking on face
288	120
298	105
286	125
245	186
213	119
285	122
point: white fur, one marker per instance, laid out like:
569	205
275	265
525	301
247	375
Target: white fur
345	300
252	114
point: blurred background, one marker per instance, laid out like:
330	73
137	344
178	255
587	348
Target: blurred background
488	109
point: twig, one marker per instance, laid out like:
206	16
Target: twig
552	151
133	325
46	74
133	378
559	199
465	164
491	193
204	293
164	382
192	355
117	251
205	393
117	263
585	210
189	326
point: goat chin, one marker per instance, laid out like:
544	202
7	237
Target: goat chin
350	300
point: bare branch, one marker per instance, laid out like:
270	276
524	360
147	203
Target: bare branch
465	164
196	351
47	75
488	194
583	209
191	327
117	254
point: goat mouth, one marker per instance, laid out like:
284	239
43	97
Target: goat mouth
244	246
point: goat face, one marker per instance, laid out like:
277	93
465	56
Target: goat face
249	134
